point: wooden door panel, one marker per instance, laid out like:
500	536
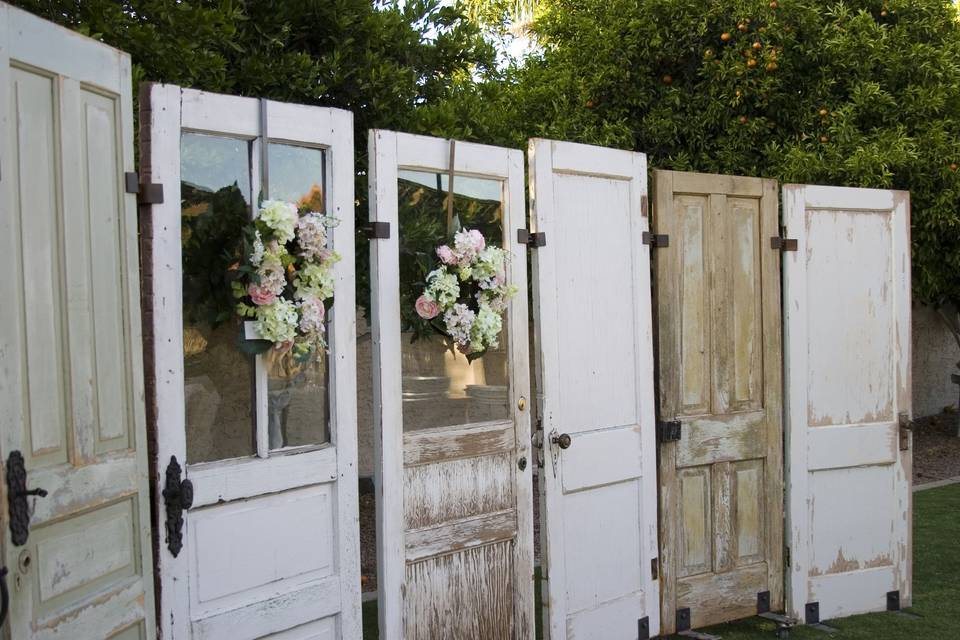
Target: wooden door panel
718	301
271	450
847	292
455	553
70	335
594	331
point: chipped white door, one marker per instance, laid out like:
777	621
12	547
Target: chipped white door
270	545
453	485
718	318
595	370
847	346
71	385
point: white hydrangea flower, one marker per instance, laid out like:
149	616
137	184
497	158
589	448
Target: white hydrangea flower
258	249
277	322
315	281
459	322
443	287
311	235
281	217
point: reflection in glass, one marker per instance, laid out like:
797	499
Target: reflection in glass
218	379
297	411
440	388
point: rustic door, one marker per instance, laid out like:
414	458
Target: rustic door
269	545
721	480
453	486
595	371
71	385
847	319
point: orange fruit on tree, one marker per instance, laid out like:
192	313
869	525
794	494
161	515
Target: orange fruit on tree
953	166
667	79
824	113
757	45
744	119
725	36
771	66
751	63
824	139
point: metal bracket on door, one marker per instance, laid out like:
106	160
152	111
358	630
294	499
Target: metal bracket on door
668	430
905	426
783	244
148	193
643	628
893	600
532	240
377	230
177	498
656	240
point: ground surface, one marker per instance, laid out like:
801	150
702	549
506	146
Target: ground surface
936	601
936	449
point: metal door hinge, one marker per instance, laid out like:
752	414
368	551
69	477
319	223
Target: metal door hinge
811	613
177	498
905	426
147	193
656	240
668	430
643	628
655	568
532	240
763	602
377	230
683	619
783	244
893	600
786	556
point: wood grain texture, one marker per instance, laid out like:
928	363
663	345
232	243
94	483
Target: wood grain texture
719	373
847	325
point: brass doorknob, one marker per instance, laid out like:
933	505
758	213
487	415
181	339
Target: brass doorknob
563	440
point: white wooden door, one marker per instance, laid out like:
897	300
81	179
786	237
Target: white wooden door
71	384
270	545
847	368
595	371
453	484
718	322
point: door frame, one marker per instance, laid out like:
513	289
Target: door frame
166	111
388	152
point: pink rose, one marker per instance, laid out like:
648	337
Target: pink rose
260	295
426	308
445	254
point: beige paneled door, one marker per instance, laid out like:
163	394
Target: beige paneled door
71	385
721	477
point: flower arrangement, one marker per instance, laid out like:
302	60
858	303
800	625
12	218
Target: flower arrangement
285	283
465	296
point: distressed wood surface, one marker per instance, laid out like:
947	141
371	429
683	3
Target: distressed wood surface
309	492
847	336
454	511
599	496
718	306
71	380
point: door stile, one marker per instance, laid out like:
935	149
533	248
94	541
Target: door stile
160	136
553	568
387	388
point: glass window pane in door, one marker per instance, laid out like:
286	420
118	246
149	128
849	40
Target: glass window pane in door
440	386
218	378
297	404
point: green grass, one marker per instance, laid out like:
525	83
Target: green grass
936	587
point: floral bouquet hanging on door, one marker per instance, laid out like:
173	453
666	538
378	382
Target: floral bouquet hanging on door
284	284
466	295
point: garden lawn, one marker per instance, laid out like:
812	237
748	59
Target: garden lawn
936	587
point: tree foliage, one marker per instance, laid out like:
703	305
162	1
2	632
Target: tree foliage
858	93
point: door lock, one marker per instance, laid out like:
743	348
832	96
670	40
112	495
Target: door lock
17	493
177	498
563	440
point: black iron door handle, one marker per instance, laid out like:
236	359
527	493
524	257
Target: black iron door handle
4	596
17	494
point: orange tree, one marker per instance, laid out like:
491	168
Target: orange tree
860	93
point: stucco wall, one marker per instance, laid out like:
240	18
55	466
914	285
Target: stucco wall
935	356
